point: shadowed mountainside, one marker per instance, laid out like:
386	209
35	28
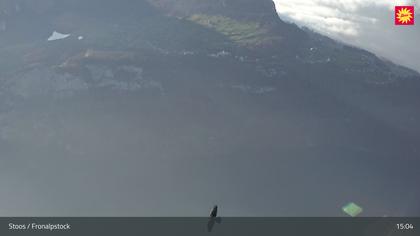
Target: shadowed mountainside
173	105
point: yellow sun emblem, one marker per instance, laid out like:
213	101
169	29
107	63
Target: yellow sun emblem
404	15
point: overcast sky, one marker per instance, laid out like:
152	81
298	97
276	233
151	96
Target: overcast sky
365	23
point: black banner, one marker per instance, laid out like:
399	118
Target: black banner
387	226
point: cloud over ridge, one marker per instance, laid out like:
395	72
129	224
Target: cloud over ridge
368	24
336	16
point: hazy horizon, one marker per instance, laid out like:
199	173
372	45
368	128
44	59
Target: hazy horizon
360	23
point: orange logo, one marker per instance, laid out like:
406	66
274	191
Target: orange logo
404	15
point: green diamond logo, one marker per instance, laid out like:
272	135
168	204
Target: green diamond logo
352	209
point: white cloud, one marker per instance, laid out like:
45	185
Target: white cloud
368	24
335	16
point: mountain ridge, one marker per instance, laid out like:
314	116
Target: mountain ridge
142	106
235	25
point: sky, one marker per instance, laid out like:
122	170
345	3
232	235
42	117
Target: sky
368	24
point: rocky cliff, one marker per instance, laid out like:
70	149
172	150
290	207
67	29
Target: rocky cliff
145	98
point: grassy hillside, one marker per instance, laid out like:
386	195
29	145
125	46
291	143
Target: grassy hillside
246	33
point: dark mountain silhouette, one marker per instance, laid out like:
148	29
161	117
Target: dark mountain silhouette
208	86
